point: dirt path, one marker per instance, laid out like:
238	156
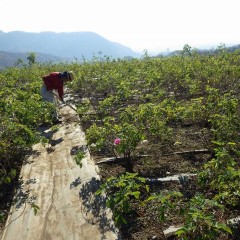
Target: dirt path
61	189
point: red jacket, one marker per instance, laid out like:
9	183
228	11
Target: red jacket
54	82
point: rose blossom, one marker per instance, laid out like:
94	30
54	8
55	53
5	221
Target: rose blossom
117	141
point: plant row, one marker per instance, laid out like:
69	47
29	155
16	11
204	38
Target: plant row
127	102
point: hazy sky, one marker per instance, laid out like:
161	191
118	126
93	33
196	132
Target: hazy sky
153	25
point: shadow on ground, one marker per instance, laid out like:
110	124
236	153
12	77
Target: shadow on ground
95	205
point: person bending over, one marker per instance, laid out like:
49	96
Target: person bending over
55	81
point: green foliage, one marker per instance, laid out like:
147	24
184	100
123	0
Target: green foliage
35	208
31	58
147	98
8	177
21	112
224	110
79	157
103	137
120	192
150	119
130	137
84	108
200	222
167	201
222	175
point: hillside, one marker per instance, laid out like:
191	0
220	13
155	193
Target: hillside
212	51
9	59
65	45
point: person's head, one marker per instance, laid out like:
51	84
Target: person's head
67	76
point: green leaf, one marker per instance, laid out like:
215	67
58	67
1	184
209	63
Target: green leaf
180	232
152	197
136	194
7	180
224	227
35	208
13	172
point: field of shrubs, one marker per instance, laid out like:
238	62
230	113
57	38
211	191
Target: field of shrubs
145	120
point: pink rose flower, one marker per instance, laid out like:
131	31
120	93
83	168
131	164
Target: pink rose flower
117	141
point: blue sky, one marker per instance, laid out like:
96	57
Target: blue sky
152	25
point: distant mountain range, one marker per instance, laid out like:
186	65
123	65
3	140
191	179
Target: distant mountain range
55	46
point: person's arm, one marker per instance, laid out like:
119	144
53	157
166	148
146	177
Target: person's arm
60	93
